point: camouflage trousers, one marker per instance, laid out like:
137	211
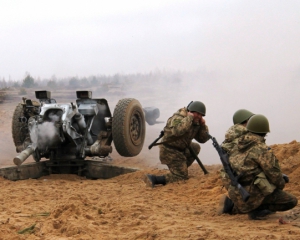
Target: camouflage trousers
177	161
279	201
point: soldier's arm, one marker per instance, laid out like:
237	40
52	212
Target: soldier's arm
180	125
202	135
230	135
234	132
270	165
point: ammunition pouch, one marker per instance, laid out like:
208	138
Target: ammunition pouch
263	184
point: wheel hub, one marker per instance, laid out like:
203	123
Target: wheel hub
135	128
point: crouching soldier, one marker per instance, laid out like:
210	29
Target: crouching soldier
260	173
184	126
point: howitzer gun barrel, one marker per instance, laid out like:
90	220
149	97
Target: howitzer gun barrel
18	160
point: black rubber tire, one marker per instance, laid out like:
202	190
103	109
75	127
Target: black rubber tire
19	129
128	127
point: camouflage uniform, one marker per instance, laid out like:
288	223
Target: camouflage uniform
251	157
231	139
232	135
175	153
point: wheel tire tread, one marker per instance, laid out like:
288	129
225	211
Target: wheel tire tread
118	130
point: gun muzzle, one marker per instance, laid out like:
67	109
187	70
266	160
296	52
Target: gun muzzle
18	160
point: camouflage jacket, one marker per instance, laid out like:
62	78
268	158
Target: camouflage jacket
181	127
250	157
232	135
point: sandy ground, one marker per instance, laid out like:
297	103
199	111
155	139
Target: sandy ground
72	207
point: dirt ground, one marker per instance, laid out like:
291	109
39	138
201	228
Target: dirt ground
72	207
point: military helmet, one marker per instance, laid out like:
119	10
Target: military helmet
258	124
241	115
197	106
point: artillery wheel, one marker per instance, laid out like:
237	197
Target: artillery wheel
19	129
128	127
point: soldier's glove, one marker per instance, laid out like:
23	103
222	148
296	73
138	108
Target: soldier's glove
286	178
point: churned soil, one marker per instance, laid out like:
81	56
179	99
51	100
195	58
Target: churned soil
72	207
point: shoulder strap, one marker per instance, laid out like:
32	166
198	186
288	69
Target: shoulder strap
168	141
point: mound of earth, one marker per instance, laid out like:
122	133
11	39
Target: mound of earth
72	207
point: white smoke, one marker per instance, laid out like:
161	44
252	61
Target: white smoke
43	135
54	117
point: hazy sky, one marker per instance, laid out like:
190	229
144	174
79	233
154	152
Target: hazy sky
67	38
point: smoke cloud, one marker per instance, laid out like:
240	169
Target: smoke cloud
44	135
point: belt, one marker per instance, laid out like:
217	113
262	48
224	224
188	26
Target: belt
173	148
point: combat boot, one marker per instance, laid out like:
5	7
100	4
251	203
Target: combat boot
259	214
152	180
225	205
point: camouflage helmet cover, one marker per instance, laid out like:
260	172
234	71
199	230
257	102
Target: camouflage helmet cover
197	106
258	124
241	115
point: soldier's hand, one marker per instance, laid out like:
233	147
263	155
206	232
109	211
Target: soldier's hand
202	121
286	178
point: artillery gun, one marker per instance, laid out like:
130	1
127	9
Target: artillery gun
65	134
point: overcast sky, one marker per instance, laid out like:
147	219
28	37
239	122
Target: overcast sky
247	53
67	38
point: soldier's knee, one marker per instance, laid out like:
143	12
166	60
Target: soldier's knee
196	147
291	203
295	201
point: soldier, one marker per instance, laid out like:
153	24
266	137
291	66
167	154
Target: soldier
184	126
261	175
240	119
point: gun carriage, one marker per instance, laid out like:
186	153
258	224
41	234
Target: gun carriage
65	135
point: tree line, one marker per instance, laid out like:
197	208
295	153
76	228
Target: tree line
75	82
